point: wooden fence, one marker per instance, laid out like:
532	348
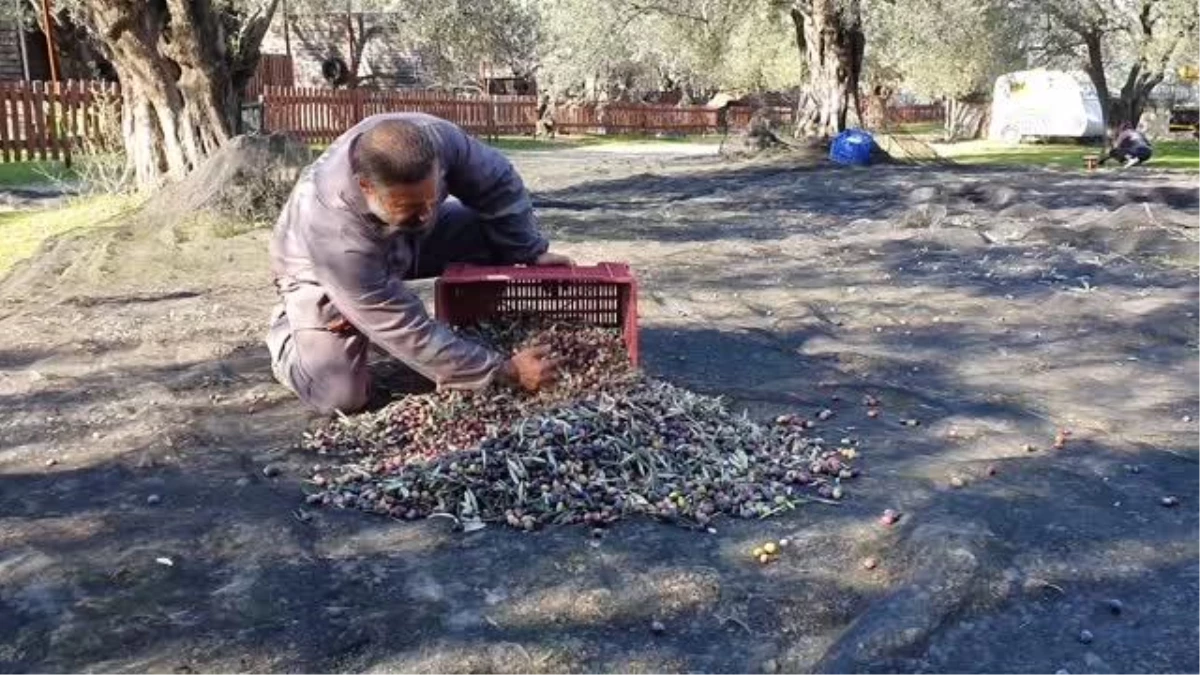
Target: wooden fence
48	122
739	117
908	114
635	118
40	120
274	70
321	115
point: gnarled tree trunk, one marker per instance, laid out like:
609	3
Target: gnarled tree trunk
876	106
1148	70
966	118
78	56
830	36
182	65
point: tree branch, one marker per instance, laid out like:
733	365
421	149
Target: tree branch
647	8
798	18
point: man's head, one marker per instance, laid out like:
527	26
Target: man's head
396	167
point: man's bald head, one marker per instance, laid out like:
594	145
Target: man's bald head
393	152
395	164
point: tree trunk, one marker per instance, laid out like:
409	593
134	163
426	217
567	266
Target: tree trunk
181	81
77	55
1144	75
965	120
876	107
1095	69
830	36
546	110
1134	95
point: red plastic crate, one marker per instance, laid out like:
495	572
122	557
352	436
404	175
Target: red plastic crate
599	295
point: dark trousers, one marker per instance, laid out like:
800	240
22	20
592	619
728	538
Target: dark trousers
1141	154
458	237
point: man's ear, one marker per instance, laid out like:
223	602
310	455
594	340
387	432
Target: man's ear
365	185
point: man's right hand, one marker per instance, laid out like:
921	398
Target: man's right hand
531	369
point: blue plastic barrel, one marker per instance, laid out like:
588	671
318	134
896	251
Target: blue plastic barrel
853	147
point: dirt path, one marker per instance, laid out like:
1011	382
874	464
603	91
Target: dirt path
137	416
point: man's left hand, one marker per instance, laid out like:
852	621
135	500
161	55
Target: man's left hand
549	259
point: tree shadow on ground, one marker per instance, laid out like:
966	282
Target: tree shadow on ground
259	582
759	202
1012	270
253	587
1025	552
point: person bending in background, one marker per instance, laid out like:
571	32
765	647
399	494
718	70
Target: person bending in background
1130	148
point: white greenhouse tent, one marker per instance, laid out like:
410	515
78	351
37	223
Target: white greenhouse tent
1045	103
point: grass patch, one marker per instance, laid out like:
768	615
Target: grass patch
563	141
20	174
228	228
1178	155
923	129
21	232
527	143
710	139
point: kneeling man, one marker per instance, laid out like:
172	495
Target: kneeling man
399	196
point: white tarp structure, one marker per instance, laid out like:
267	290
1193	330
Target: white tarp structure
1045	103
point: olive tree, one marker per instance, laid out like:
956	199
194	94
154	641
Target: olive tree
182	65
696	47
455	36
945	49
452	37
1127	46
832	42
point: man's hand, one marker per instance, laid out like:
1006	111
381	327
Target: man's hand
549	259
531	369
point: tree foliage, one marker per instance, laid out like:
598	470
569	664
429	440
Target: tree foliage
455	36
943	48
625	48
1127	47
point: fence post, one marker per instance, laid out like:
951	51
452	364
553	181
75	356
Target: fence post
5	116
491	121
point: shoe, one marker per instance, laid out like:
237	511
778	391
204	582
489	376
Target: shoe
1132	161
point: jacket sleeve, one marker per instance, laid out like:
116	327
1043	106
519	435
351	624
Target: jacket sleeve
390	314
483	179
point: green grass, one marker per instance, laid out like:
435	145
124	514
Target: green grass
1180	155
21	232
563	141
923	129
19	174
527	144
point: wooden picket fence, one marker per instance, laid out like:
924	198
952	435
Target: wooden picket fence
909	114
45	121
739	117
274	70
635	118
321	115
40	120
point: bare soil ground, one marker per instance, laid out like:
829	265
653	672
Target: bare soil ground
993	307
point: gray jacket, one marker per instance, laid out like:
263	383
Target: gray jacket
1133	141
330	259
